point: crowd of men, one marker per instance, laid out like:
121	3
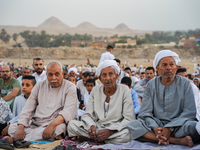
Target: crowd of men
106	104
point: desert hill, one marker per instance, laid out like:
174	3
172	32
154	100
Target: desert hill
53	22
122	27
55	26
86	25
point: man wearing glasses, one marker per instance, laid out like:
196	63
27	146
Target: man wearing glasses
10	87
38	65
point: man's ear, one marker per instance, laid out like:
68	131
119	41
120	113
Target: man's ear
99	77
62	73
157	68
117	76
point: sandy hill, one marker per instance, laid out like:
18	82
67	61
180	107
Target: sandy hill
53	22
55	26
123	27
86	25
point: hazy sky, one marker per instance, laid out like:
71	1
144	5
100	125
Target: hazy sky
136	14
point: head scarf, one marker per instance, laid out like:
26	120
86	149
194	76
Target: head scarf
165	53
72	69
108	63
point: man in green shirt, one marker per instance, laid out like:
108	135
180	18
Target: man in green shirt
10	87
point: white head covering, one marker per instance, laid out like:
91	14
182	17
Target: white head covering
72	69
165	53
108	63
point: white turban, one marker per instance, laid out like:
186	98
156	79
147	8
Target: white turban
72	69
108	63
165	53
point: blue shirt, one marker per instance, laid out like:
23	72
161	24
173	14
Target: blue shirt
135	101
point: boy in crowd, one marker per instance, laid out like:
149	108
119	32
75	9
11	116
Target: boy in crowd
90	83
28	82
81	105
73	80
127	81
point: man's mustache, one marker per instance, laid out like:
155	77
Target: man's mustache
168	71
108	81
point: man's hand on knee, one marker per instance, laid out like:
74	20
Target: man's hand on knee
48	131
20	134
104	134
92	132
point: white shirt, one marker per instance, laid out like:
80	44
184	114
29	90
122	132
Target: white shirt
86	97
20	80
197	99
41	77
106	56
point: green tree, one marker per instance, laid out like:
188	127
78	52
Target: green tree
129	46
4	36
7	38
14	36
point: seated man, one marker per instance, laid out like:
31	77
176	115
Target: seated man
167	113
133	78
51	105
109	109
10	87
182	72
141	85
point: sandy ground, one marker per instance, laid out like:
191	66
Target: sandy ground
184	62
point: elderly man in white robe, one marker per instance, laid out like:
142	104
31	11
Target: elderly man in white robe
167	114
51	105
109	109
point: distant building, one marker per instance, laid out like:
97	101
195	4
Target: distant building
193	41
129	42
99	43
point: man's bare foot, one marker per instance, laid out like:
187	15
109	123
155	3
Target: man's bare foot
8	138
187	141
59	137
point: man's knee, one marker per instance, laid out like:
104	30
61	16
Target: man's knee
187	129
12	129
119	137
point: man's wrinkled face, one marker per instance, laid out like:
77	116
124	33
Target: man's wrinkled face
6	74
26	72
85	79
38	65
54	75
149	74
72	73
108	77
167	68
142	76
129	72
184	74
